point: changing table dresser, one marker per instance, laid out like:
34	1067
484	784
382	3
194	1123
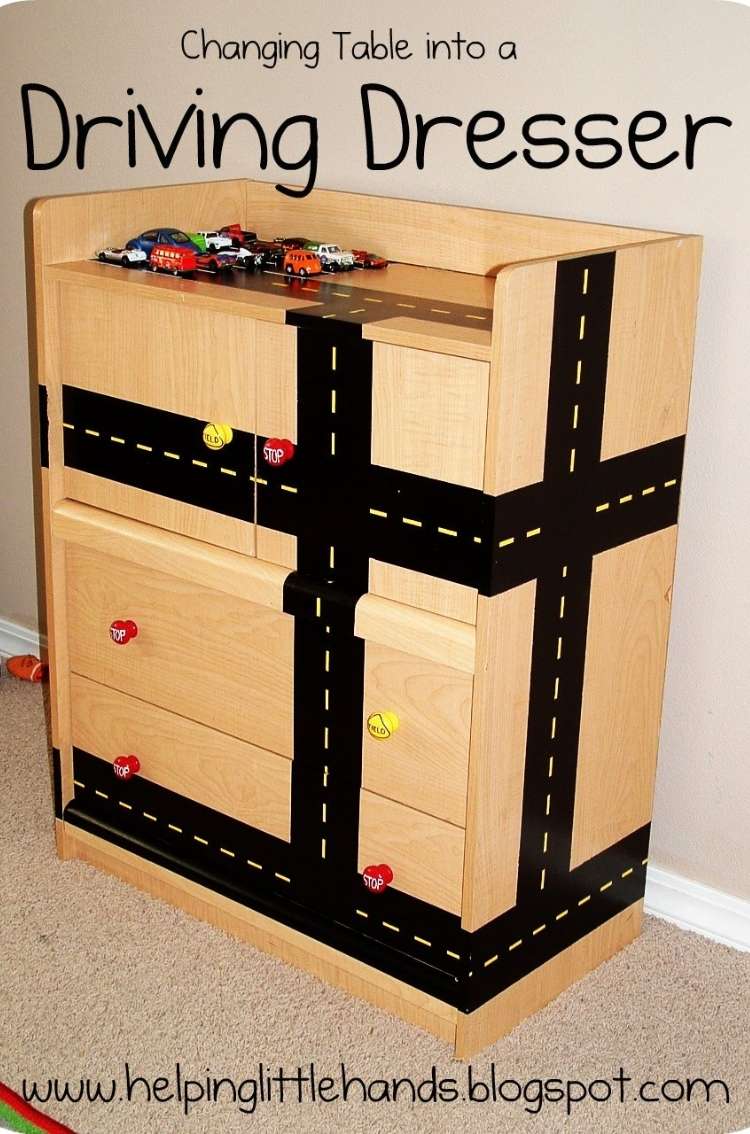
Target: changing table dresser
358	586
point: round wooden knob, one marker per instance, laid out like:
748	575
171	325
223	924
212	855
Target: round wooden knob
122	631
125	767
382	725
377	878
216	435
277	451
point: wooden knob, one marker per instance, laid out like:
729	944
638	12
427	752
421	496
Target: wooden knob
377	878
277	451
123	631
216	435
125	767
382	725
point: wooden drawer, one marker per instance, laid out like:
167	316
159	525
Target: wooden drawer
424	763
209	767
425	854
213	643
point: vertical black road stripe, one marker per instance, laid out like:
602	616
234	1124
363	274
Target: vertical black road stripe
578	371
334	398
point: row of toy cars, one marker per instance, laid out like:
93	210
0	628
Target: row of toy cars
215	250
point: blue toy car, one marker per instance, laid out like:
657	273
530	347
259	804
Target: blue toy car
173	237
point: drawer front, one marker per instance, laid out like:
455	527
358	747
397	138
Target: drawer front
425	854
204	654
145	386
190	759
424	762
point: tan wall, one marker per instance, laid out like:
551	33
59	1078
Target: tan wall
685	56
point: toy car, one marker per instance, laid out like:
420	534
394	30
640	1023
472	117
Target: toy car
128	257
270	252
237	234
244	257
290	242
363	259
300	262
216	261
171	258
171	237
212	241
331	257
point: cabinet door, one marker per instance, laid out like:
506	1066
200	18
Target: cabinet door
429	414
158	406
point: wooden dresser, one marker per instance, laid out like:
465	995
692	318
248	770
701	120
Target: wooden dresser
371	573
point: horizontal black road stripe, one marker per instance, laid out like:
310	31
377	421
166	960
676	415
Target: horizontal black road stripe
194	474
542	925
202	833
419	973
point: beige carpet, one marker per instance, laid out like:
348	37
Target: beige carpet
95	974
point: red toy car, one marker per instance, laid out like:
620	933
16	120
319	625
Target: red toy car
216	261
168	258
363	259
238	234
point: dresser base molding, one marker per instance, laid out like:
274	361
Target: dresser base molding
467	1033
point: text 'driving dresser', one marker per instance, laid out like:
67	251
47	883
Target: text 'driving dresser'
358	586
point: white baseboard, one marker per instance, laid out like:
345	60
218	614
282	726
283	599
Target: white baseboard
15	639
712	913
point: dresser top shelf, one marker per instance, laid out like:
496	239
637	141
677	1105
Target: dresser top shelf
403	304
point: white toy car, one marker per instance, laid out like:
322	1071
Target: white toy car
215	241
332	258
128	257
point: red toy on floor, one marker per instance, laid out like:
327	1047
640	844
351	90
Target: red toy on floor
26	667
